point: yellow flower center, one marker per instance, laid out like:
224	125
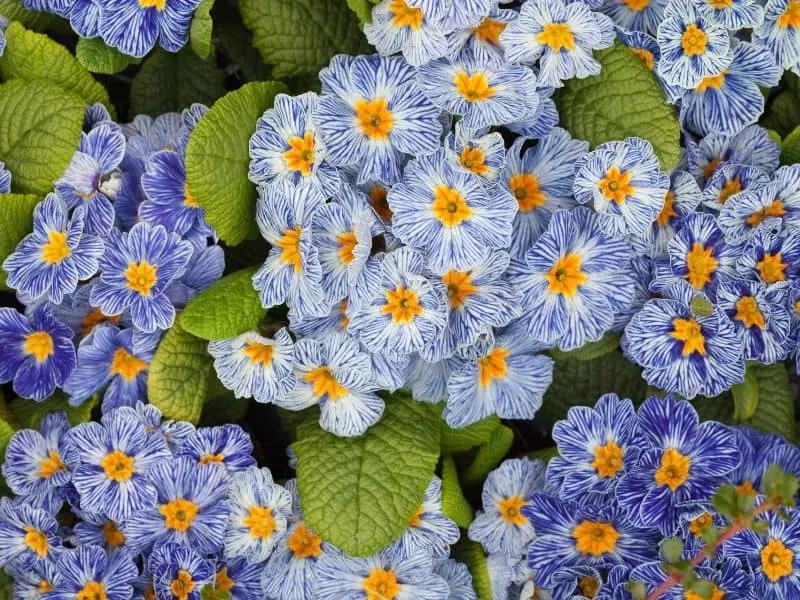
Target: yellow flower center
403	304
690	333
416	518
565	277
776	560
489	31
474	88
289	243
189	200
379	199
493	366
734	186
748	313
525	188
459	287
674	469
588	586
300	156
223	582
404	15
449	206
36	541
746	489
304	544
720	4
118	466
791	16
344	319
347	245
558	36
608	460
179	514
709	169
182	585
50	465
218	458
595	538
701	265
713	82
141	277
616	185
699	524
771	268
511	510
93	590
112	535
381	585
44	586
55	249
323	382
38	344
694	40
126	365
636	5
775	209
258	353
159	5
645	56
374	118
668	212
474	160
260	522
716	594
93	318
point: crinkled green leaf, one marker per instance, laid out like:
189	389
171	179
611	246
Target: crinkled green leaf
461	440
624	100
362	8
488	456
97	57
608	343
218	159
171	81
201	29
40	126
471	554
16	221
234	40
372	484
28	414
790	147
782	112
30	55
178	380
775	412
13	10
454	504
299	37
745	395
229	307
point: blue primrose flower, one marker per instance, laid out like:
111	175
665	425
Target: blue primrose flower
240	578
636	16
478	152
99	530
38	353
729	580
429	530
772	258
59	252
456	13
292	568
458	579
750	146
179	573
780	32
136	270
88	572
415	28
727	181
482	41
27	535
227	445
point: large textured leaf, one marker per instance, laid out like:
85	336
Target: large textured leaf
178	381
471	554
454	504
40	126
16	221
218	159
359	493
29	414
173	81
93	54
229	307
299	37
30	55
201	29
624	100
477	434
775	412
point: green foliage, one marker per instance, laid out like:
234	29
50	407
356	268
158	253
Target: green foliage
179	376
362	8
782	112
93	54
471	554
41	129
672	549
229	307
488	456
201	29
31	56
775	412
13	10
454	504
299	37
16	221
477	434
624	100
170	81
210	592
29	414
234	40
218	159
608	343
745	395
373	484
790	147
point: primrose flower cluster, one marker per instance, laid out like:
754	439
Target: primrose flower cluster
138	507
593	519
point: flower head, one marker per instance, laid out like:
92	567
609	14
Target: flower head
179	573
429	530
728	180
772	258
225	445
780	32
478	152
751	146
406	26
482	41
88	572
27	534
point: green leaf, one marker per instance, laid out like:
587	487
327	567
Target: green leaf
544	454
672	549
461	440
93	54
171	81
218	159
471	554
201	29
30	55
362	8
745	395
790	147
454	504
299	37
178	381
608	343
41	128
210	592
775	412
228	308
13	10
488	456
28	414
16	221
600	108
234	39
372	484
